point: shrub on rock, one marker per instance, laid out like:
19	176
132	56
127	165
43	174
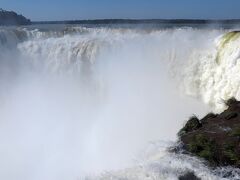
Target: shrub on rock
216	137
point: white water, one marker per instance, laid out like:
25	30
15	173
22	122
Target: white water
80	101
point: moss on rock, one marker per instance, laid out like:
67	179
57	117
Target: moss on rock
192	124
203	146
216	137
230	153
235	132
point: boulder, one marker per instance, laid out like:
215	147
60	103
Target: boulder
189	176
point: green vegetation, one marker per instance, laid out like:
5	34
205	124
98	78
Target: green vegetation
230	153
231	115
192	124
216	137
235	132
12	18
203	147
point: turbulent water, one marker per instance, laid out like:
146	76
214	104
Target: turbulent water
106	103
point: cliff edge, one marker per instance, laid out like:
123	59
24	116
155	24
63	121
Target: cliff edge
216	137
12	18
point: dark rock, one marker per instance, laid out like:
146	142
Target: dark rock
192	124
230	115
189	176
216	137
202	146
12	18
209	116
231	102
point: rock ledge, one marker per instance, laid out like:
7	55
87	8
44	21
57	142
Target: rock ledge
216	137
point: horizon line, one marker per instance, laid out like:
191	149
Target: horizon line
138	20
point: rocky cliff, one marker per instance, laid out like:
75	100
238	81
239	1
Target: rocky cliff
216	137
12	18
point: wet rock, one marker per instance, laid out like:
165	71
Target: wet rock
216	137
189	176
231	115
192	124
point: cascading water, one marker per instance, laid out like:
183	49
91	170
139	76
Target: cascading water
216	77
77	101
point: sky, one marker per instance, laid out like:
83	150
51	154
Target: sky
38	10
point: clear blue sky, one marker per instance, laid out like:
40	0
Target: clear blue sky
98	9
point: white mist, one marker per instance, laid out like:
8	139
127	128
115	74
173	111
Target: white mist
89	103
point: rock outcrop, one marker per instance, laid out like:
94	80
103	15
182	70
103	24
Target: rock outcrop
216	137
12	18
189	176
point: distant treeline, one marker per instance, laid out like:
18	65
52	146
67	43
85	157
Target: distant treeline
12	18
142	21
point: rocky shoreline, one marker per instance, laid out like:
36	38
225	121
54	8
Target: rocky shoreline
214	138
